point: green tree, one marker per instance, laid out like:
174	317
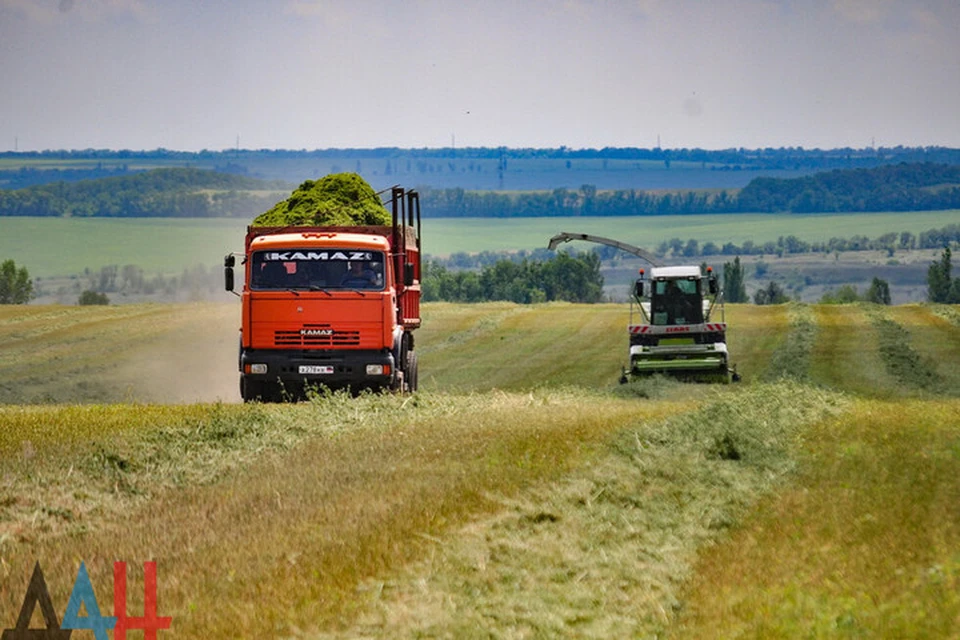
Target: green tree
92	297
773	293
734	289
846	294
939	287
879	292
16	287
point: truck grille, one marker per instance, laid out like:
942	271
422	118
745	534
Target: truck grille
316	335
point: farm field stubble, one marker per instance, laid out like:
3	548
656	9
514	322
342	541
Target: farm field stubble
532	498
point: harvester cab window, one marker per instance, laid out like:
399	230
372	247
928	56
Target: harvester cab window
677	301
315	269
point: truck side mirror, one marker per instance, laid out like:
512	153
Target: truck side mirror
638	288
229	261
407	274
713	285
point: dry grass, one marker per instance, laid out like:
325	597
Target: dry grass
754	335
142	352
507	346
544	511
253	531
912	369
936	340
864	546
846	354
603	552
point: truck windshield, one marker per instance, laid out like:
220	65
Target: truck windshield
317	269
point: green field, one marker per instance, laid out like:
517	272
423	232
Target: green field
520	493
65	246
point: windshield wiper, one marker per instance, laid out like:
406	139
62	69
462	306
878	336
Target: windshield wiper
315	287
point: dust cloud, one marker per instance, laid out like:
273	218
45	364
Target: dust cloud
194	360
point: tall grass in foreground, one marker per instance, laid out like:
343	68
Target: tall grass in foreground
866	545
264	519
603	552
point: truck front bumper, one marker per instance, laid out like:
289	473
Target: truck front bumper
330	368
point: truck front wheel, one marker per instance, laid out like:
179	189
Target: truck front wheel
252	390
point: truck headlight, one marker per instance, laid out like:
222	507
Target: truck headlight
256	368
375	370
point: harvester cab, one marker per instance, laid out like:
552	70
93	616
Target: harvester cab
677	332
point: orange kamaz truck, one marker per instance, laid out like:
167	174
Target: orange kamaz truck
330	306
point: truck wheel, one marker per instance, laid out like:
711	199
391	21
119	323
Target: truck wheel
412	372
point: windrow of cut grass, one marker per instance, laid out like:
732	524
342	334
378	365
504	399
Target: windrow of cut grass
846	353
935	338
913	370
264	519
866	544
791	359
603	552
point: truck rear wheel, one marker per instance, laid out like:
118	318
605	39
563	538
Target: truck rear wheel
412	372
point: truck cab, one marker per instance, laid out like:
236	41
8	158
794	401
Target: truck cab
329	306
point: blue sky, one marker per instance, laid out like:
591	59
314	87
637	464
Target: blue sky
196	74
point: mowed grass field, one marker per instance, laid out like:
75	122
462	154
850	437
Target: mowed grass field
51	247
521	493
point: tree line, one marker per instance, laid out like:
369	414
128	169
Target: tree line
175	192
677	248
889	242
562	277
184	192
767	157
903	187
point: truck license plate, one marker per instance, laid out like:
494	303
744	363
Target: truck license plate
313	368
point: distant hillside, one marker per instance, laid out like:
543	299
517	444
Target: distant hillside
195	193
475	168
902	187
183	193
